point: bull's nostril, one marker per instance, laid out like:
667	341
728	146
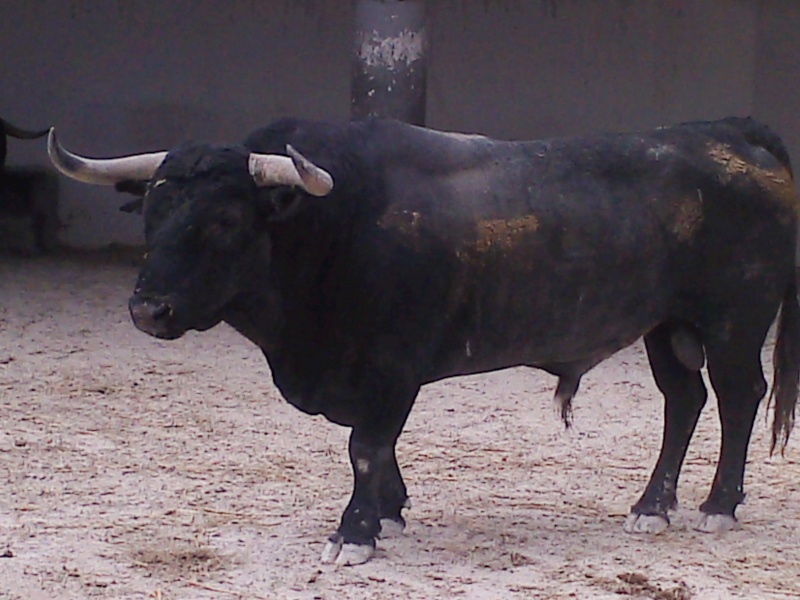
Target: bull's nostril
161	311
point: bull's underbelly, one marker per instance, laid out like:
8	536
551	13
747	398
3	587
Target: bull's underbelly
475	354
578	328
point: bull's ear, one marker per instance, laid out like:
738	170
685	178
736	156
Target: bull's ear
132	186
281	202
137	188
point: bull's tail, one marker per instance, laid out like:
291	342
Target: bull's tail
786	363
22	134
786	356
758	134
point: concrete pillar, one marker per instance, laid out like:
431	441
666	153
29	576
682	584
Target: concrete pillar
389	60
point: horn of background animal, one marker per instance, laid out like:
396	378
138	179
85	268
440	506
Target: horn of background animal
19	133
106	171
295	169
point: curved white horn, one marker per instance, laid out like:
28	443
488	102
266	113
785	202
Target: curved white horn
295	169
102	171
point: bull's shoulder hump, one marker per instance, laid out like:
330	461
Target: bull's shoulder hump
454	136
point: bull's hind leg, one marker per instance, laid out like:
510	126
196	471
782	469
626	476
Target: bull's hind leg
734	368
684	398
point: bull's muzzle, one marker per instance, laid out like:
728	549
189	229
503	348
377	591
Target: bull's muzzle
155	317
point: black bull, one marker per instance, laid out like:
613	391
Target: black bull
434	255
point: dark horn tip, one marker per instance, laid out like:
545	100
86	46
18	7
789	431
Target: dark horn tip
52	145
293	153
318	181
52	141
300	161
60	158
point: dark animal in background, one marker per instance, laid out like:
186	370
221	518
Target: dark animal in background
28	199
7	129
370	258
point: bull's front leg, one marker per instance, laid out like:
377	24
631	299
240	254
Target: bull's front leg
354	540
392	499
379	494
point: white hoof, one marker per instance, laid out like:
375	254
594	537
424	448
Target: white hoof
341	554
354	554
649	524
715	524
390	528
332	549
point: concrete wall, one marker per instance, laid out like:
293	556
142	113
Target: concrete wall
121	76
529	69
130	75
777	82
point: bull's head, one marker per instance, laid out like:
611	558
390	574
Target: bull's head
206	212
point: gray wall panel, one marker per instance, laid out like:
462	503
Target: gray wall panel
126	76
121	76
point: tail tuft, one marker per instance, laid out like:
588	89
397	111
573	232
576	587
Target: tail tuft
786	363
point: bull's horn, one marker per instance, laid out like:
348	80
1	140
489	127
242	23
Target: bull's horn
295	169
102	171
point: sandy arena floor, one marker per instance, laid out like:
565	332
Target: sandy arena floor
134	468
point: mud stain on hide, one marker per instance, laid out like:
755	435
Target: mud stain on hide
688	217
406	222
731	164
503	234
777	182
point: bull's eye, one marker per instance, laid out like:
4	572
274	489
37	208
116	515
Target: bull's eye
284	198
226	222
223	228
